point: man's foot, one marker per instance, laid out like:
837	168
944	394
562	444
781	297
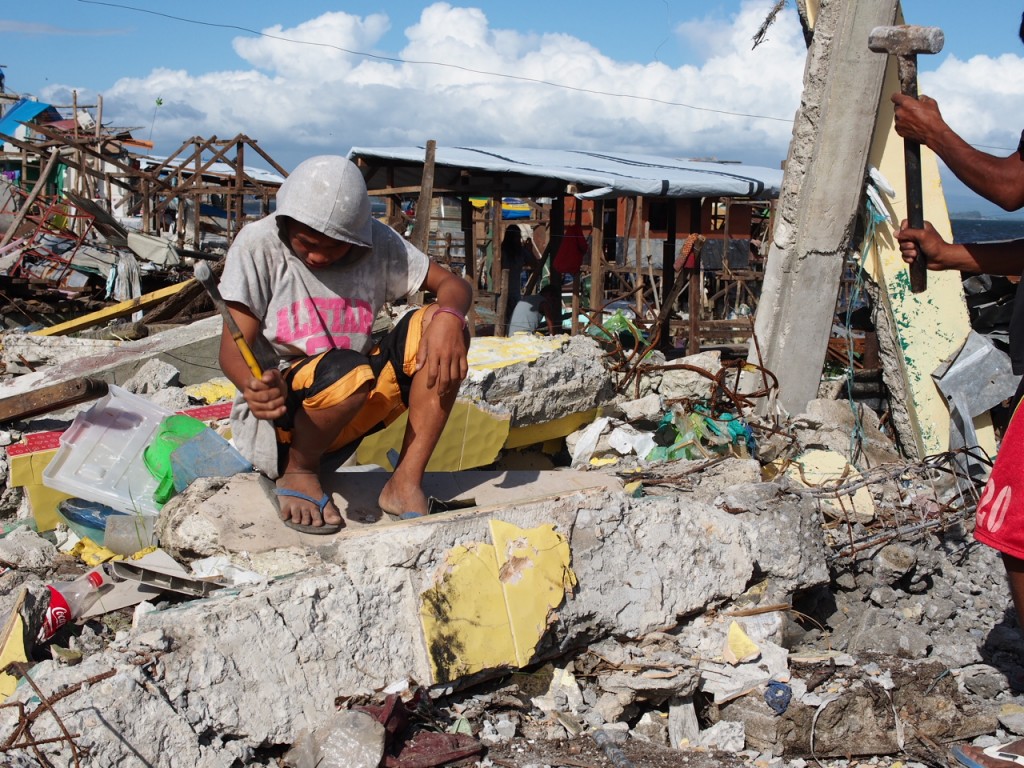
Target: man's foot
1000	756
402	499
304	506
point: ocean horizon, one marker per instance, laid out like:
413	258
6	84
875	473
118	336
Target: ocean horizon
980	230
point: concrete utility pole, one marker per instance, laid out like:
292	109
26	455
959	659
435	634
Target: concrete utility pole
821	195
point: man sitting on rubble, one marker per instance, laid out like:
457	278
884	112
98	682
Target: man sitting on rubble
310	280
1000	512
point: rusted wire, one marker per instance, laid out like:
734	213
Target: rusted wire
45	703
19	739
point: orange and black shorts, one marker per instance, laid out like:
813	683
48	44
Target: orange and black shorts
329	378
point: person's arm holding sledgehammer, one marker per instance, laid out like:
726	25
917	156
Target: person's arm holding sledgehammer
994	258
998	179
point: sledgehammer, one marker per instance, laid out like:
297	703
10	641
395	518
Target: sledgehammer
206	279
905	42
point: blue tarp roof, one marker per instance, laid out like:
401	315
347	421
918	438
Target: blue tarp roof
23	111
546	172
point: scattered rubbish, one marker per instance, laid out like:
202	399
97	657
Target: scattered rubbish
128	534
88	519
408	747
101	453
12	646
70	600
777	695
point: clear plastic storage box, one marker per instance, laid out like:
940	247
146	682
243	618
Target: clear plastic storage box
100	455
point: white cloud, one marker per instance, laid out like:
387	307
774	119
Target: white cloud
982	98
298	100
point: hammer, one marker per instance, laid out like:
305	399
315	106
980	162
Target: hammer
905	42
206	279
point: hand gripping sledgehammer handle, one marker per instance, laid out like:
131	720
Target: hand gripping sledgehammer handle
205	278
905	42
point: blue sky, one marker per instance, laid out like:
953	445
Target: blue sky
228	67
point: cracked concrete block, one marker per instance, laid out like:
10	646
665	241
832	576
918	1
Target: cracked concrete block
153	376
686	383
193	348
25	352
724	735
249	668
24	548
648	408
559	383
829	424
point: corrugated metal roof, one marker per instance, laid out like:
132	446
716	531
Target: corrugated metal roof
547	172
23	111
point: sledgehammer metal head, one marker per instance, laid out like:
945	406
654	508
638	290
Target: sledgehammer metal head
905	42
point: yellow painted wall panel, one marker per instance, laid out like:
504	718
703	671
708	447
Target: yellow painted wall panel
930	326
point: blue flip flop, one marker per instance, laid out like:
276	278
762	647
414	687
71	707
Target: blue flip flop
324	500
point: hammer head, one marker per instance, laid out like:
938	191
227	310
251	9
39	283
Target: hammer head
906	40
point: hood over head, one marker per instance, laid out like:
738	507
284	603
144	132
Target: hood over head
328	193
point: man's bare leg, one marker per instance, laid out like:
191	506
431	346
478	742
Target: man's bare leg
312	434
1015	578
428	413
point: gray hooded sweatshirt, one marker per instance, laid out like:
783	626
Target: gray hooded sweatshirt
305	311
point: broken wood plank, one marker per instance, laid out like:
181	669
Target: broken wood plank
115	311
53	398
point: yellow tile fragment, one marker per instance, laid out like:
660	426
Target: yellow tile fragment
12	647
490	352
828	469
473	437
212	391
27	472
492	603
739	648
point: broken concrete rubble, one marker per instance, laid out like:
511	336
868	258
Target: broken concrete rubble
657	579
348	625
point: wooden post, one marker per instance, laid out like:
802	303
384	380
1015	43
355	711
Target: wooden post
497	233
696	288
197	200
638	274
469	247
578	219
469	264
597	259
500	323
668	277
421	227
31	199
237	206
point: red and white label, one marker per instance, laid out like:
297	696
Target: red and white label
57	615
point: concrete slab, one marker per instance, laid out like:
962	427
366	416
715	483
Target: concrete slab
247	669
240	515
192	349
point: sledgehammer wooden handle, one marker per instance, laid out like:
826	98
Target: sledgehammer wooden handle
905	42
205	278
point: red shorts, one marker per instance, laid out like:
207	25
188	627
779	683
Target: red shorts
1000	515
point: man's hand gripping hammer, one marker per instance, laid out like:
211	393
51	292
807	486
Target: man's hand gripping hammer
905	42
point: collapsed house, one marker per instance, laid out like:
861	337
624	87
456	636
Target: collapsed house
645	552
